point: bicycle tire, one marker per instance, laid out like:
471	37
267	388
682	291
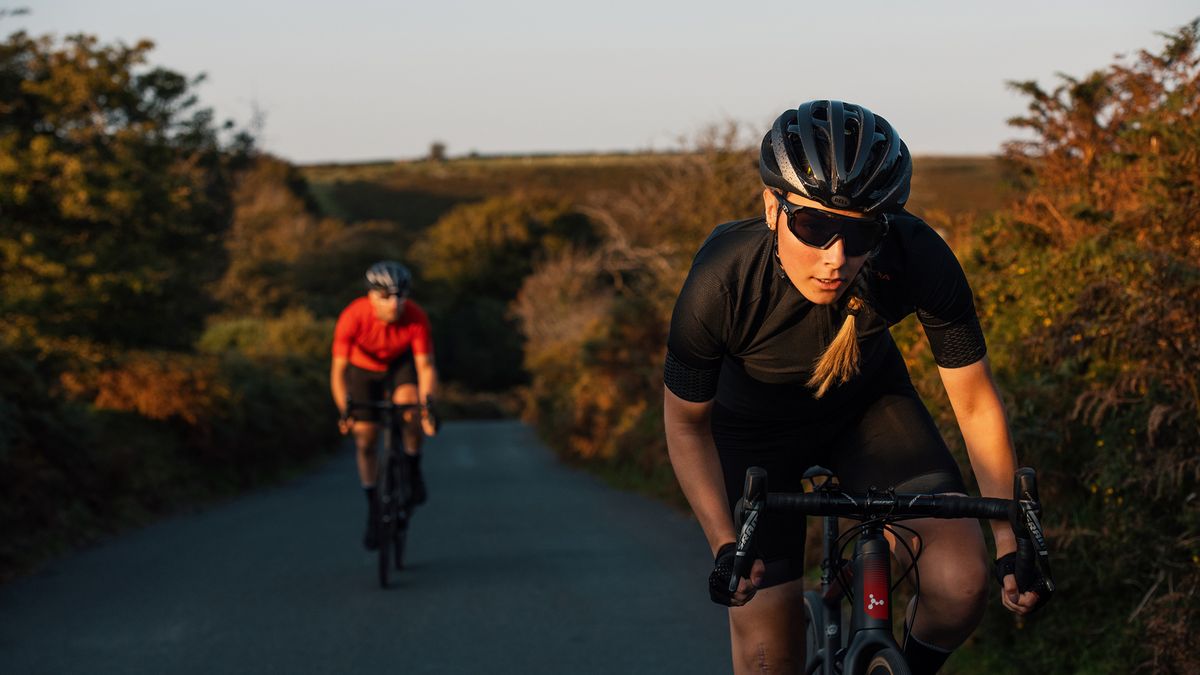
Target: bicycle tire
404	508
888	661
387	525
399	540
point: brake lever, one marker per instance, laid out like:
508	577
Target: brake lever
1033	525
747	511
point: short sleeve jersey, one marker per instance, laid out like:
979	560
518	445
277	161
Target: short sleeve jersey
374	345
742	332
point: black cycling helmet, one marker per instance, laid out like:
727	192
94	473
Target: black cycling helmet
390	276
838	154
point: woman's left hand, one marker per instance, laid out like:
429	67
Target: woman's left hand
1017	602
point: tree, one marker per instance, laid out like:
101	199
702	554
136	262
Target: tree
437	151
1090	287
114	193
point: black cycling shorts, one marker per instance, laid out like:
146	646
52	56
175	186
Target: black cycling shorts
369	385
890	441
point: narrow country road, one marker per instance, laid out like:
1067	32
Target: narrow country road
516	565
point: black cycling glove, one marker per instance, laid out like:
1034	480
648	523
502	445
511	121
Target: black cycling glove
718	581
1007	564
432	414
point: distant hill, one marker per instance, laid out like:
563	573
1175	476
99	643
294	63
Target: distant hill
416	193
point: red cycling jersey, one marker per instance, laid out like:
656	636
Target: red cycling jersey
372	344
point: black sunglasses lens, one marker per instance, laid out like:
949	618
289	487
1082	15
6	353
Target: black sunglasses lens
820	231
814	231
862	238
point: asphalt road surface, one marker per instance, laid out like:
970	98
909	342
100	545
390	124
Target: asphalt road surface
516	565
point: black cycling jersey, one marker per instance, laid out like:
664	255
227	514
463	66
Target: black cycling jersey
743	333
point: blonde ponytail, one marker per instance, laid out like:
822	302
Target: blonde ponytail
839	362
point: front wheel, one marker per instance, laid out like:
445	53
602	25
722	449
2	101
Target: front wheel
388	525
400	537
387	533
888	661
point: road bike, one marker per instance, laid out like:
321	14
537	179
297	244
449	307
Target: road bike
393	486
864	580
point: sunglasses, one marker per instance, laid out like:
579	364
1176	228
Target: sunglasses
384	294
820	229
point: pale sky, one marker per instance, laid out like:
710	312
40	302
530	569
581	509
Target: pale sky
381	79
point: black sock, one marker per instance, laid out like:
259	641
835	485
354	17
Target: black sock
371	493
924	659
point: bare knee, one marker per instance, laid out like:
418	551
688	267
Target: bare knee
767	634
952	602
954	582
759	656
963	583
364	438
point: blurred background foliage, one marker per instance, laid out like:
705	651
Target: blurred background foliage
148	360
169	296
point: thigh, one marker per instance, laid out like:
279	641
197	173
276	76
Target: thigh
404	379
946	549
404	370
406	394
781	449
894	443
364	386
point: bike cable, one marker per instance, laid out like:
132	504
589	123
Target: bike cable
843	542
912	567
847	537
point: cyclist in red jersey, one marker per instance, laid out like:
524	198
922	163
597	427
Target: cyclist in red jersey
382	343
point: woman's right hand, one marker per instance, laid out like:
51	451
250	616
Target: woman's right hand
718	581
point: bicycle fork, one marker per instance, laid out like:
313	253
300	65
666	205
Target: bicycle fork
829	633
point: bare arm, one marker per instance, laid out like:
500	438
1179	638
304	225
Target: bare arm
337	386
981	418
697	468
426	388
980	414
337	382
426	376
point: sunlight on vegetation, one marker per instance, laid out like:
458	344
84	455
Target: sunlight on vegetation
170	291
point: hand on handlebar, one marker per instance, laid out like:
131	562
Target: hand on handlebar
1024	574
1016	601
429	420
737	559
718	580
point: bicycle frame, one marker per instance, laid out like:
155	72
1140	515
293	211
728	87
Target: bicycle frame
871	618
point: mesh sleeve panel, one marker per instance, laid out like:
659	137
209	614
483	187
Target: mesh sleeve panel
956	344
688	383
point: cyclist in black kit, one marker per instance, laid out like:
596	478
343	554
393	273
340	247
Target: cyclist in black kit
779	356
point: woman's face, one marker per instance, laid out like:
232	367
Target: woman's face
821	275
